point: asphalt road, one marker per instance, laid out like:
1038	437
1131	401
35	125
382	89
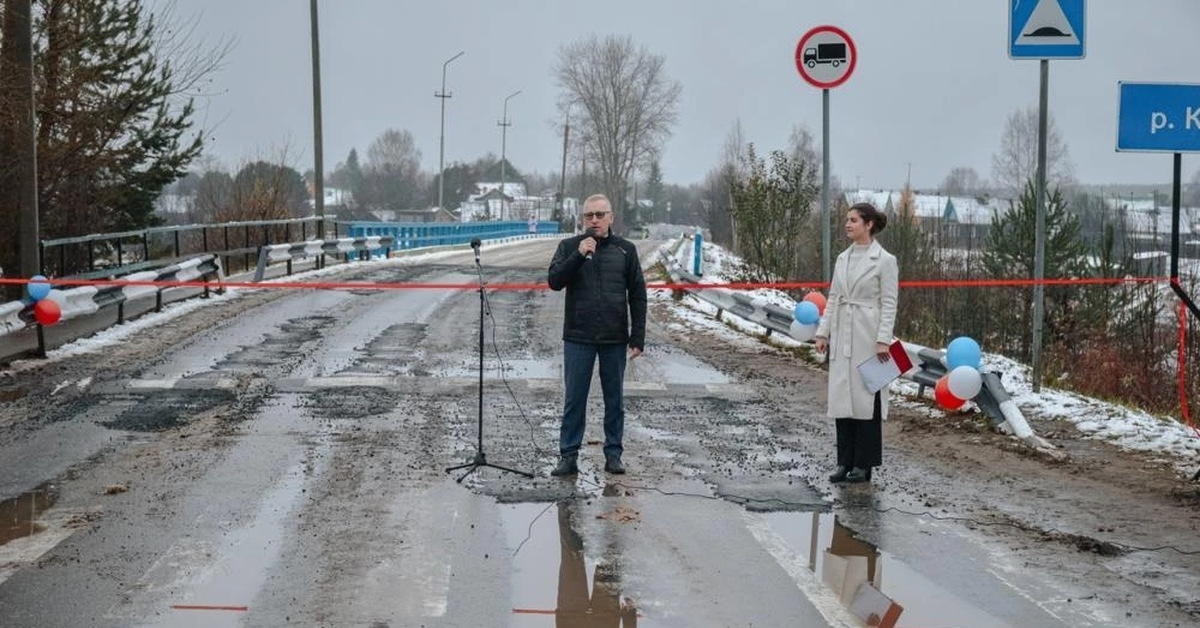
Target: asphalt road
280	458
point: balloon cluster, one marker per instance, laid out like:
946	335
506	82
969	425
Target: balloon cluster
807	313
962	381
46	311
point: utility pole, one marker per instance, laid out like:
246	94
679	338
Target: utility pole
562	181
318	148
443	95
26	138
504	124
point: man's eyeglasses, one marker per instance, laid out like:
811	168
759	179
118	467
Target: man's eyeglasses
591	215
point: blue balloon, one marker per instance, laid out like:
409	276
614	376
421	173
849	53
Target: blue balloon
963	351
807	313
38	287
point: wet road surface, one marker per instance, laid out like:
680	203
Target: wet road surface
287	466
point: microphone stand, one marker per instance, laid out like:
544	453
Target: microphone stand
480	459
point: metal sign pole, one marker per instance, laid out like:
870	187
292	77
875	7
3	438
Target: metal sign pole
825	58
1039	238
825	209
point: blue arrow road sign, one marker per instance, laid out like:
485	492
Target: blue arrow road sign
1158	117
1046	29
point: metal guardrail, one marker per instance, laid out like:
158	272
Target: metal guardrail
995	402
89	299
121	253
364	247
419	235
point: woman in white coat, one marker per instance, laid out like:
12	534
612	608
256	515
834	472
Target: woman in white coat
860	313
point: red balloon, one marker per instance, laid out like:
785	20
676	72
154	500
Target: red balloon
818	299
47	312
945	398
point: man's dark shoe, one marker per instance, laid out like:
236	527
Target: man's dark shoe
612	464
839	475
567	465
857	475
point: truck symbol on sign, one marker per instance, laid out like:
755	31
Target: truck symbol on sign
825	53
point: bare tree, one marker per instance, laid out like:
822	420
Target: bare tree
803	146
716	199
628	101
393	172
1015	163
267	188
1191	192
963	181
394	148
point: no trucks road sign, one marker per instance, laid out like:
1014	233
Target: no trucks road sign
826	57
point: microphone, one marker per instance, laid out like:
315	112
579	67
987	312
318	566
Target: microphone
588	233
475	245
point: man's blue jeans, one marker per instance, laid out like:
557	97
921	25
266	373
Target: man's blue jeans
579	360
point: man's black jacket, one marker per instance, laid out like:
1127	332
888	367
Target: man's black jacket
606	295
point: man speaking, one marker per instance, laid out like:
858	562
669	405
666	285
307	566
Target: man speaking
605	316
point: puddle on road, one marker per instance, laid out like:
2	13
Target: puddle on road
925	603
558	572
669	366
559	578
18	516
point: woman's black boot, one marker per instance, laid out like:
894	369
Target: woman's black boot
839	475
858	475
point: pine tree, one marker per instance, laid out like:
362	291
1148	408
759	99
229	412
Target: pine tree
1010	254
655	193
348	176
111	131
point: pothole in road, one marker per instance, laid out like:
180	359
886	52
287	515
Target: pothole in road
165	409
350	403
18	516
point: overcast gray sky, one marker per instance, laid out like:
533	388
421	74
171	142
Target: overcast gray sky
932	87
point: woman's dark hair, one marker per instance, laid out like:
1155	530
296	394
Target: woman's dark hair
868	213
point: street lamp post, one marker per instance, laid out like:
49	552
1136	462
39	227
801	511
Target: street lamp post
504	124
443	95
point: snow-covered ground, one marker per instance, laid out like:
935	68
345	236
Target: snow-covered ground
1124	427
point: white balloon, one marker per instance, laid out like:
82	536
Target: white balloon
964	382
803	333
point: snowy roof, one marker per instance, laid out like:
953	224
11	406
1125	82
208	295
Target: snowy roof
878	198
1139	204
973	211
1149	221
511	188
962	209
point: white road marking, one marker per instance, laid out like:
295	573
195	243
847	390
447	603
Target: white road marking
796	566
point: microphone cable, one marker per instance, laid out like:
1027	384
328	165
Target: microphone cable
504	379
